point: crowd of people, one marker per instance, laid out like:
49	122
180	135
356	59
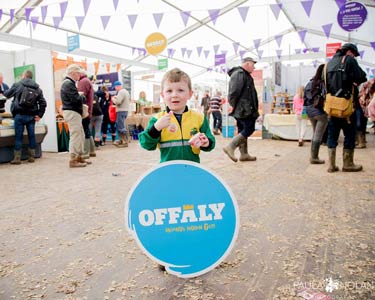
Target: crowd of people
181	133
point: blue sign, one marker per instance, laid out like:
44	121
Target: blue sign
351	16
183	217
73	42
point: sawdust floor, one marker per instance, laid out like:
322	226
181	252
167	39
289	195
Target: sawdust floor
63	230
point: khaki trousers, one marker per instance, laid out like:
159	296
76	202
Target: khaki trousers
76	134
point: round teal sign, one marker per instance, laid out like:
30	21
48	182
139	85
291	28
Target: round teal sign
183	217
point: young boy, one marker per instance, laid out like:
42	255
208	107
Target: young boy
172	129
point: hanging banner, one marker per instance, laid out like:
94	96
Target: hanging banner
163	63
155	43
220	59
73	42
332	48
184	227
351	15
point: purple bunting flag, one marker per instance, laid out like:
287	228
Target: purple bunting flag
235	47
373	71
307	5
315	63
315	49
43	10
1	13
105	20
199	51
86	5
157	18
372	45
260	53
298	51
302	34
214	13
216	48
183	51
242	53
132	19
188	52
361	53
278	39
34	21
256	43
133	50
278	52
276	8
170	52
27	14
63	6
79	21
243	10
11	11
206	53
327	29
185	15
115	3
56	22
340	3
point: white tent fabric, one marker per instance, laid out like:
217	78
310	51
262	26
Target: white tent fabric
116	30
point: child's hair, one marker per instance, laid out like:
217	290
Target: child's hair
176	75
300	91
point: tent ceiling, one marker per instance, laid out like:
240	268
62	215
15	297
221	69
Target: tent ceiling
120	40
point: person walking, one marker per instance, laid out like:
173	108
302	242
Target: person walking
314	96
215	109
105	102
122	102
86	88
205	105
343	75
26	110
301	123
243	98
3	87
72	103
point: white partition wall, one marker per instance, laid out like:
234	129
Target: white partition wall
42	60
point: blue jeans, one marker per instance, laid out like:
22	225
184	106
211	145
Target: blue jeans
120	121
246	127
19	122
334	127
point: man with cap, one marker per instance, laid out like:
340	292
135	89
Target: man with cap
343	65
243	98
122	103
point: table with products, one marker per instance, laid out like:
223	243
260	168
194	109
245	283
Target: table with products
7	140
284	126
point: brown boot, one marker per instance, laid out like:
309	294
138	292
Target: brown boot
361	139
332	160
17	158
122	141
229	149
349	165
31	153
74	163
83	160
244	155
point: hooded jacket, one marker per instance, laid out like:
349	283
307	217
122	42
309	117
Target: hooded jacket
242	94
15	91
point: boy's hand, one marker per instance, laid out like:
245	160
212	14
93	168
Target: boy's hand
163	122
204	140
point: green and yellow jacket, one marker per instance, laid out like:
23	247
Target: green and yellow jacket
173	141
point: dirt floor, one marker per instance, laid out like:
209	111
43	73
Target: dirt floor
63	232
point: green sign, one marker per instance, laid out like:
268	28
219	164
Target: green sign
163	63
18	71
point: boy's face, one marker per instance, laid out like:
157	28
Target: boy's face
176	94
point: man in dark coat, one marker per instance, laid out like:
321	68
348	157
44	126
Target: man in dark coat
343	65
25	115
243	98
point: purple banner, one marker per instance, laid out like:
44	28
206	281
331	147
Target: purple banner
276	8
79	21
220	59
105	20
214	13
185	15
327	29
351	16
132	19
158	17
243	12
307	5
44	12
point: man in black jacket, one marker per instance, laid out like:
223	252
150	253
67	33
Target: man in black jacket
352	76
243	98
25	115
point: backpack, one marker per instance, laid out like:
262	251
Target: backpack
28	97
338	107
